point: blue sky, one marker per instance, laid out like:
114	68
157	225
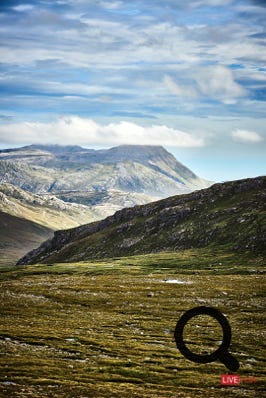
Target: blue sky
190	76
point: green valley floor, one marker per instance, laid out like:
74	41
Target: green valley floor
106	328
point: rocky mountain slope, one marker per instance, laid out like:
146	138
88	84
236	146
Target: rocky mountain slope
229	215
50	211
148	170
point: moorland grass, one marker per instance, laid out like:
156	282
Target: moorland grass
106	328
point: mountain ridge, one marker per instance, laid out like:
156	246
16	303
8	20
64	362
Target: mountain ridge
218	216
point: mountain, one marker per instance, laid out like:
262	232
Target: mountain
229	215
39	215
46	210
61	187
148	170
18	236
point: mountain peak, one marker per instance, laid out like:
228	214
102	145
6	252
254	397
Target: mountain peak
139	147
139	153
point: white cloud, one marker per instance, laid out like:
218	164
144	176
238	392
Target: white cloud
245	136
218	82
76	130
215	82
23	7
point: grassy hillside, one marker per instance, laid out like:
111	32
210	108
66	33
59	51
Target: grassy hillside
231	216
18	236
106	328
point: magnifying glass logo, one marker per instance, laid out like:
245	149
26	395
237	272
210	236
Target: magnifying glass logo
221	353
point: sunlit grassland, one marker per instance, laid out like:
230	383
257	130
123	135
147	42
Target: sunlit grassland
106	328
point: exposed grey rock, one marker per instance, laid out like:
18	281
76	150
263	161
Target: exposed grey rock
148	170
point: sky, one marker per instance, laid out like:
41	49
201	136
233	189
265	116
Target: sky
187	75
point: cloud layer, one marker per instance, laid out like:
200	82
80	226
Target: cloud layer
76	130
244	136
65	56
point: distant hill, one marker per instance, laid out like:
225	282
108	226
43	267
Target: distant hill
147	170
230	215
46	210
18	236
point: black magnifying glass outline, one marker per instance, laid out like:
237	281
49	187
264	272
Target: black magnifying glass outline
221	353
